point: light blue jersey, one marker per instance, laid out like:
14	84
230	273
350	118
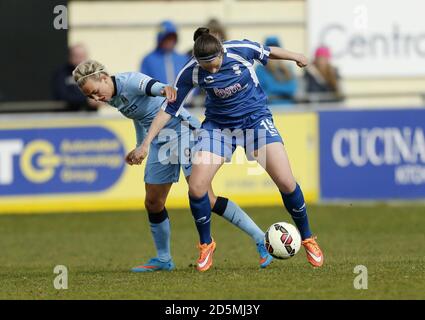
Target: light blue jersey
138	97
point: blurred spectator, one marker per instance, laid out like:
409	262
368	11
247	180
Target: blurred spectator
64	87
322	81
164	63
277	78
217	29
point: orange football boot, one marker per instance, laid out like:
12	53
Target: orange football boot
314	254
205	256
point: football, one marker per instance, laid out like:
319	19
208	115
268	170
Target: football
282	240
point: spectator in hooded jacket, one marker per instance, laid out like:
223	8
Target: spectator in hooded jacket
164	63
277	78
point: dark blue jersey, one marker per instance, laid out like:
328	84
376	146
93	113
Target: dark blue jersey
233	92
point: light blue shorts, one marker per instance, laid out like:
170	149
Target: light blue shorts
169	151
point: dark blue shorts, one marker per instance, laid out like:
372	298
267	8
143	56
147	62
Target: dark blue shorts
256	133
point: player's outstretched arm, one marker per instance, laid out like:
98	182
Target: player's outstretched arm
158	123
283	54
174	101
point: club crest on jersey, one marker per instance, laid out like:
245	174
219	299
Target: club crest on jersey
236	69
209	79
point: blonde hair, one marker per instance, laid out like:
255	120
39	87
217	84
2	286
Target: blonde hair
90	69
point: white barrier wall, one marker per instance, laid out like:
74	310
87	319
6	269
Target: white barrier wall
134	34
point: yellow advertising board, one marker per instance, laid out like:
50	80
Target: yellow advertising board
249	184
75	163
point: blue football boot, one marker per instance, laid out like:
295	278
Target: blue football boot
155	264
265	257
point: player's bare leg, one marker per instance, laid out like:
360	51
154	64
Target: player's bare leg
156	196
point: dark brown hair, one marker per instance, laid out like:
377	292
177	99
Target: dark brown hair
205	43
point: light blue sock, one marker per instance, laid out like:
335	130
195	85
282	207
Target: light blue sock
160	229
234	214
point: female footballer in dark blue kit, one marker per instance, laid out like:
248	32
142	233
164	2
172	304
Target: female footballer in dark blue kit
235	101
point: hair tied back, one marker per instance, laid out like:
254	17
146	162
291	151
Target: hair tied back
200	32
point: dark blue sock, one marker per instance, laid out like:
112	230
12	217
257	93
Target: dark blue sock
294	203
201	211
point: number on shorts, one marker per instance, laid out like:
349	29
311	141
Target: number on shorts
269	126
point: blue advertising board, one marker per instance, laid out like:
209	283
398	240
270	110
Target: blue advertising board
377	154
59	160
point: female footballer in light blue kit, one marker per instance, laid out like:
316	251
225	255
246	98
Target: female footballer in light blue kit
235	101
140	97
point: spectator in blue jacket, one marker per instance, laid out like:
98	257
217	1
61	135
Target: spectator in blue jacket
277	78
164	63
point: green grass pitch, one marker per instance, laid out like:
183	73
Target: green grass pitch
99	249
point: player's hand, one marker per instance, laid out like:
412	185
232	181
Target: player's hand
301	61
129	157
139	154
170	93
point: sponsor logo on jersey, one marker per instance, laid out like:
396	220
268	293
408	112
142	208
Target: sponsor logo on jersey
128	110
229	91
